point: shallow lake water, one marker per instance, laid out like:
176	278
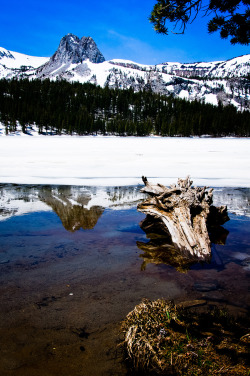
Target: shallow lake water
71	270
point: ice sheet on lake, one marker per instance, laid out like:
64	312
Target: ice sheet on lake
121	161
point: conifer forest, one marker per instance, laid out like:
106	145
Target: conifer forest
60	107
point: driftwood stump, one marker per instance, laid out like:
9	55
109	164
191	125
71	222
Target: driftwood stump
184	214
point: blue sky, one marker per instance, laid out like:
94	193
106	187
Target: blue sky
120	28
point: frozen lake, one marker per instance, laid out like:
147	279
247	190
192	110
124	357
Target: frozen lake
112	161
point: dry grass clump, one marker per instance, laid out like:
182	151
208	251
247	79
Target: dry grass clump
160	338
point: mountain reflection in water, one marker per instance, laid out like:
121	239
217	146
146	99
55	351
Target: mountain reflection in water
81	208
77	207
73	214
24	199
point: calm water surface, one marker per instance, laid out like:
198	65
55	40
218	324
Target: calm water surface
70	271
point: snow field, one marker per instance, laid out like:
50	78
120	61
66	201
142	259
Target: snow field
110	161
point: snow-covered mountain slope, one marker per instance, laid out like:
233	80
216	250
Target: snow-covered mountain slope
80	60
14	64
15	60
236	67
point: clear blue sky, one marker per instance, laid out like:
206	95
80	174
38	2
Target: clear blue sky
120	28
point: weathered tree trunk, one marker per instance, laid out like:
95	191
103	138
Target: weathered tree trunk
184	213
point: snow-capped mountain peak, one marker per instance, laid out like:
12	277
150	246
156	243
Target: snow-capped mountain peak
80	60
71	50
74	50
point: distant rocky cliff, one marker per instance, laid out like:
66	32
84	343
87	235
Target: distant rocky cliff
74	50
71	50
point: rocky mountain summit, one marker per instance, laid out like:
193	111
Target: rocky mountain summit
226	82
71	50
74	50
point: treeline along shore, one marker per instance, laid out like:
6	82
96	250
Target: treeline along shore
83	109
